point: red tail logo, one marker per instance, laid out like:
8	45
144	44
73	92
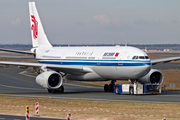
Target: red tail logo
34	26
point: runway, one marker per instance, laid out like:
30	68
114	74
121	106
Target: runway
21	83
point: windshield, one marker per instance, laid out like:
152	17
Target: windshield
140	57
152	87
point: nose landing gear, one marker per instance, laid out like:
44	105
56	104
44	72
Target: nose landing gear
110	87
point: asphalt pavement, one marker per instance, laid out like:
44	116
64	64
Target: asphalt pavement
21	83
19	117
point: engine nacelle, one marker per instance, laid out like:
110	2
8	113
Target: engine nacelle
49	80
154	76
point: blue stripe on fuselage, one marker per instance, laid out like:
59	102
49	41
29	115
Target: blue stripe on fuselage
86	62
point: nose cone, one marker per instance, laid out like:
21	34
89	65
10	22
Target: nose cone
147	69
142	70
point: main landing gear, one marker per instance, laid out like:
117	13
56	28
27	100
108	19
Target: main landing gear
110	87
59	90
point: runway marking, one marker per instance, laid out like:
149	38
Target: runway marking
24	73
89	99
20	87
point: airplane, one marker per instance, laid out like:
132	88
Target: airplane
85	63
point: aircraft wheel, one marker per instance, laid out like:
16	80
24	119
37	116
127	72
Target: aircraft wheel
49	91
111	88
61	89
106	88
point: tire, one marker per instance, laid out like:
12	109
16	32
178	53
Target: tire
106	88
111	88
117	90
131	91
49	91
61	89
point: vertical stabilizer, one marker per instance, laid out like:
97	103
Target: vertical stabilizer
37	32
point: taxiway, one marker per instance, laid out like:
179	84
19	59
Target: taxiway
21	83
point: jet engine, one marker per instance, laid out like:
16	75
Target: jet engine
154	77
49	80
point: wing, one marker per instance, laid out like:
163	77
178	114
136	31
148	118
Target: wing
17	51
16	57
70	69
164	60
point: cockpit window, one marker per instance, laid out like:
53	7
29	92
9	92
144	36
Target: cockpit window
141	57
146	57
135	57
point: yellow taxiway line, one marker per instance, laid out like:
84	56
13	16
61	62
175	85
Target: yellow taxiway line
23	73
20	87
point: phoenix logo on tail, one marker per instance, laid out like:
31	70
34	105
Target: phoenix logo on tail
34	26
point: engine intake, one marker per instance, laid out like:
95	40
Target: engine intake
53	80
154	77
49	80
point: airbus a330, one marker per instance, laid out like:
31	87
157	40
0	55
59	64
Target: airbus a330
85	63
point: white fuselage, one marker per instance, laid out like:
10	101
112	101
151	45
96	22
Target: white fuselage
105	63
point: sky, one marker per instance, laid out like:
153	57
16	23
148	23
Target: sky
93	21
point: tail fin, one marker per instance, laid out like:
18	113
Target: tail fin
38	35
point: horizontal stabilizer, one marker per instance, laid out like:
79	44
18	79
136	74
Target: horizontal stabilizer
17	51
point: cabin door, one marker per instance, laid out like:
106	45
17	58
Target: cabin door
121	57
